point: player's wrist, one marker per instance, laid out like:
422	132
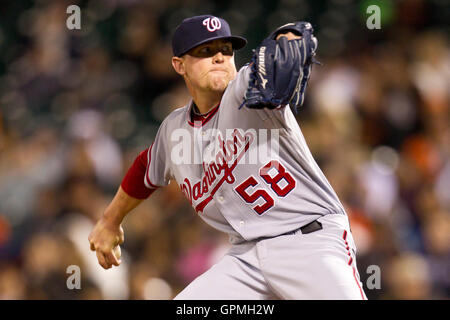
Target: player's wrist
112	218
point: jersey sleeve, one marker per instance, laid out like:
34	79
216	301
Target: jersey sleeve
133	182
235	97
158	171
239	85
149	171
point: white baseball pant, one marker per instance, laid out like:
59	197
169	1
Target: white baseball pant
315	266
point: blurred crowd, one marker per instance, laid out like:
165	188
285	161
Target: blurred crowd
76	107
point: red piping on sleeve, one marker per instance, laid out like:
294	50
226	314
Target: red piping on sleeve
147	173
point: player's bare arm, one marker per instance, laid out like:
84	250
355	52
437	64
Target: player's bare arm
108	234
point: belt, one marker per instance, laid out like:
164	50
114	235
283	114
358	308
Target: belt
307	228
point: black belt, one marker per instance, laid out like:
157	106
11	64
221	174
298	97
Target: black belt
307	228
311	227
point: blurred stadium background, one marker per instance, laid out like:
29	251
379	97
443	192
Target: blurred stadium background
76	106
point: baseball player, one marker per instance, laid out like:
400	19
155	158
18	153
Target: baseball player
239	156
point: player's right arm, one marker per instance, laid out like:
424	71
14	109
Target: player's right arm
108	232
149	171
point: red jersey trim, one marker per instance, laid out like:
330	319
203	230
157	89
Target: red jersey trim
200	122
147	173
133	183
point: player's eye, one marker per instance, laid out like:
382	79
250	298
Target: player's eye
227	50
210	50
205	50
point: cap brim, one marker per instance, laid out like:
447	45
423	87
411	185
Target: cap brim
236	41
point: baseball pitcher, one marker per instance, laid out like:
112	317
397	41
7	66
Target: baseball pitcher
239	156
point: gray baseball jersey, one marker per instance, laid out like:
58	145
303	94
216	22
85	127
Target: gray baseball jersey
247	172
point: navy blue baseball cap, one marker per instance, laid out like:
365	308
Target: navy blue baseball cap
197	30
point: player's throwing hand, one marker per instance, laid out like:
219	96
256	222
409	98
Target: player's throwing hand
104	240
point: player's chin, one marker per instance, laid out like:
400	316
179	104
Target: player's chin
218	83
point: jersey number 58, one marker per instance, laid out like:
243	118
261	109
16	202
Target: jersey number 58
274	183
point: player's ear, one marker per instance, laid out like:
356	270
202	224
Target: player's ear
178	65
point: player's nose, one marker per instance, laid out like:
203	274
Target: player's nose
218	57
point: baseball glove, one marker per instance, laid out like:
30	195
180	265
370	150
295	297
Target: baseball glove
281	69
